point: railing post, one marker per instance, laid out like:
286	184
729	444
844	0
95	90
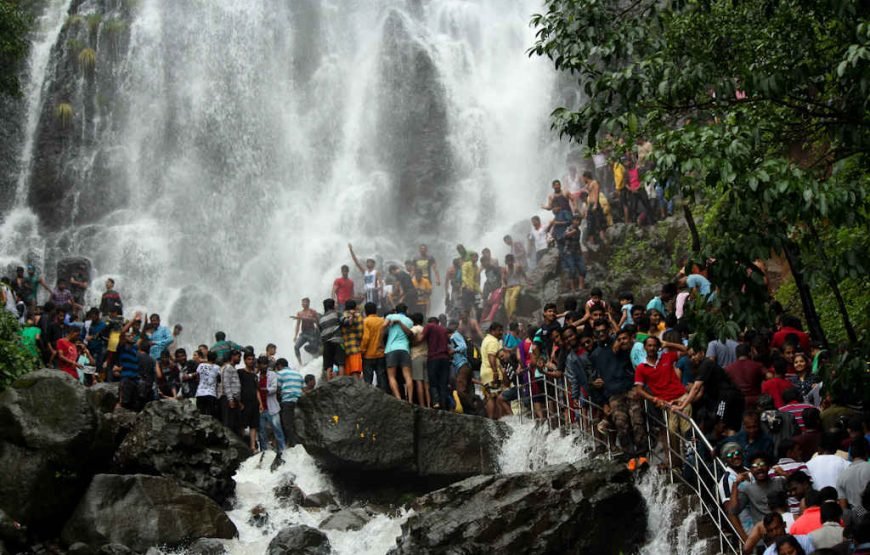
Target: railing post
668	446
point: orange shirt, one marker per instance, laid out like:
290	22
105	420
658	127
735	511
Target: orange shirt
372	346
807	522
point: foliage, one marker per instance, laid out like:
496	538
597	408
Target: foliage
94	21
15	360
13	46
856	293
73	20
64	113
87	59
762	109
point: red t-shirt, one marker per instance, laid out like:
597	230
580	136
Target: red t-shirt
774	387
780	336
68	349
343	290
661	379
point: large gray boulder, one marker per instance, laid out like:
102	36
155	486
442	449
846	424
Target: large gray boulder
142	511
299	540
569	508
52	441
174	439
353	428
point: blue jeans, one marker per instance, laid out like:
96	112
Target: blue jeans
270	421
439	376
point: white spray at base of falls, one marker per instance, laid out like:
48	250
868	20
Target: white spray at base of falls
530	447
251	141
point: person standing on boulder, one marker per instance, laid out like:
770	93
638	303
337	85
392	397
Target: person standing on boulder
330	338
111	299
270	410
374	365
231	392
67	354
206	391
290	385
250	405
351	336
306	330
397	334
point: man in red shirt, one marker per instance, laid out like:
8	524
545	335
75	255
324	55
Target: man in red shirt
342	287
67	354
657	373
791	326
746	374
776	385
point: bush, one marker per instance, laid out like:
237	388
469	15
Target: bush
15	360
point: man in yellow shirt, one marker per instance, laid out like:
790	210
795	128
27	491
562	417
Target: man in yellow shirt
424	292
470	284
490	371
374	363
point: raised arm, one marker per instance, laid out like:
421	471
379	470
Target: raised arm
355	259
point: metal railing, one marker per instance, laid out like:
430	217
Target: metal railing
674	441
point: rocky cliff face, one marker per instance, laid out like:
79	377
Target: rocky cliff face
81	110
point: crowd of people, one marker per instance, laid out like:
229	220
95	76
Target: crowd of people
795	450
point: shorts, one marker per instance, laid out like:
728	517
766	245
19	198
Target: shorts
398	359
353	364
419	373
511	394
250	415
333	355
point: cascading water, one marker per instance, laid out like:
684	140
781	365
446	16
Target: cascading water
529	448
220	155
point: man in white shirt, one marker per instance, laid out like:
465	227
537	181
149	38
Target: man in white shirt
854	479
538	242
826	466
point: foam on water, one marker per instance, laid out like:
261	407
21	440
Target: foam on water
529	448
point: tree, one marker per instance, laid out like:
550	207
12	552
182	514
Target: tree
13	46
762	109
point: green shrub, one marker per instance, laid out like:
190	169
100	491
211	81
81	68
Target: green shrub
15	360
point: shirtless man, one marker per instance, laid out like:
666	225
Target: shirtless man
596	220
306	329
373	281
558	199
426	262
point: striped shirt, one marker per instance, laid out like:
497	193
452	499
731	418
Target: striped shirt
330	331
290	384
128	360
797	409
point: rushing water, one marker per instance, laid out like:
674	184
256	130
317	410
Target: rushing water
224	153
530	447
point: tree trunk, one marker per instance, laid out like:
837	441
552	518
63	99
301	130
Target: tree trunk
690	221
835	289
814	325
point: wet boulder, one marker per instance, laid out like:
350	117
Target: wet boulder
356	430
52	441
173	439
299	540
351	518
568	508
141	511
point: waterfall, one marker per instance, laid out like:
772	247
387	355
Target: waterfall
529	448
222	154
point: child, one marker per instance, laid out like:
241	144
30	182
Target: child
626	301
310	382
596	297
